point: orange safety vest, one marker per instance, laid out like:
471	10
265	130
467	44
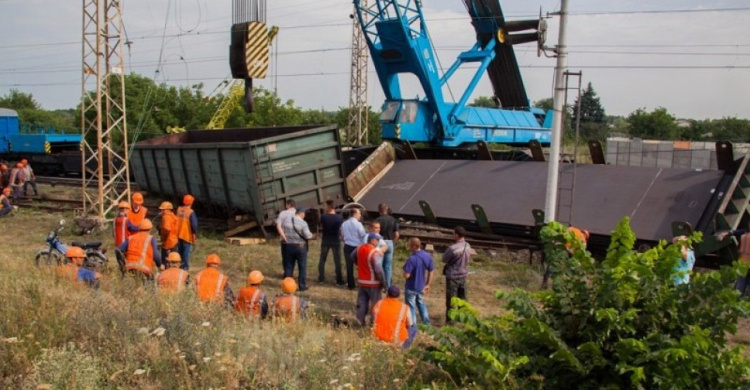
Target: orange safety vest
578	234
745	247
136	217
121	229
173	280
168	230
68	271
287	307
140	253
389	323
184	231
365	271
249	300
210	284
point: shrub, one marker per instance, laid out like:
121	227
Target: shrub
617	323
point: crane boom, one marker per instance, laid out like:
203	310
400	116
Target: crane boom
400	43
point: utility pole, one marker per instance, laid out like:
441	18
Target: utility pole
356	129
553	169
105	163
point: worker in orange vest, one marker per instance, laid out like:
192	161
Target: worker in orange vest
167	229
5	206
581	237
4	175
187	228
173	279
370	276
211	285
141	252
393	322
74	271
250	299
288	306
121	223
16	181
137	213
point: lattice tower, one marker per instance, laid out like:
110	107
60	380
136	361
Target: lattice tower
357	129
106	176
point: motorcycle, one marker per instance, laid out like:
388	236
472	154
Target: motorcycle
55	252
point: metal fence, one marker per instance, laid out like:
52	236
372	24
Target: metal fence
665	154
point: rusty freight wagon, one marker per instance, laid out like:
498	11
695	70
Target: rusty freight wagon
244	171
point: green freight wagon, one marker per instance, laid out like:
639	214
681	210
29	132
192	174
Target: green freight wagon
244	171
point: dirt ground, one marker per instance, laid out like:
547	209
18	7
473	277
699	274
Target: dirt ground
489	271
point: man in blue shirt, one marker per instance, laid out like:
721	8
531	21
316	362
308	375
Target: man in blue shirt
331	224
418	274
74	270
353	234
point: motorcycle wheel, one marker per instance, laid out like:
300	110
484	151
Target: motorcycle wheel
47	258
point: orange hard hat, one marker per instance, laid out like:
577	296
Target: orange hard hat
255	277
188	200
166	206
123	205
174	257
145	225
138	198
288	285
24	161
6	190
213	259
75	252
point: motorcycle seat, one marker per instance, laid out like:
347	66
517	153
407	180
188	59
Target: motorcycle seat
87	245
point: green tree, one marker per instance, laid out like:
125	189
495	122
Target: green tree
545	104
658	124
618	323
373	124
17	100
484	101
32	117
592	123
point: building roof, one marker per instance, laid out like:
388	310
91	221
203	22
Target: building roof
7	112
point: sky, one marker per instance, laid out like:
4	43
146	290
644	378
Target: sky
690	56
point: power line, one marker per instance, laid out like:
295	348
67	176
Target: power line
326	74
342	24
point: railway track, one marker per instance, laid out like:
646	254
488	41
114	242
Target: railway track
68	181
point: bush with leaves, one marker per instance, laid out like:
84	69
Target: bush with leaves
618	323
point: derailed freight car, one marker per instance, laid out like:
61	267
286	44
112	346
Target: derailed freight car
244	171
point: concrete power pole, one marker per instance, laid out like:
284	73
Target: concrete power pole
105	136
356	129
550	205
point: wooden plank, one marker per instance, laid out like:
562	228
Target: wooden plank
240	228
245	240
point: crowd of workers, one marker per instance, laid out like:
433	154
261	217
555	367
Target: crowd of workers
15	183
369	250
164	263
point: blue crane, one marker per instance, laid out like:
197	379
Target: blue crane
399	43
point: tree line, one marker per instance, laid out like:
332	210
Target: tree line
657	124
152	108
